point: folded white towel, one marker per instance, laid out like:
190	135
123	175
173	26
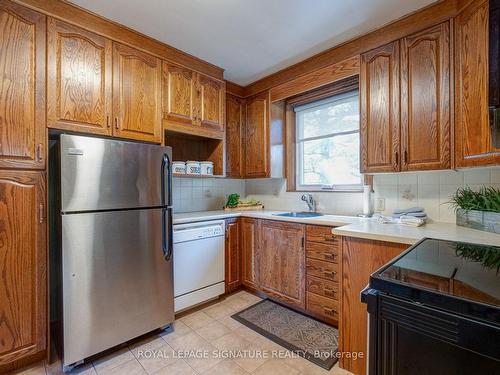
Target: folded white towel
411	221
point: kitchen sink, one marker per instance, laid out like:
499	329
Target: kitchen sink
299	214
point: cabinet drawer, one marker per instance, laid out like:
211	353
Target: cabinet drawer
323	308
316	233
321	251
320	268
322	287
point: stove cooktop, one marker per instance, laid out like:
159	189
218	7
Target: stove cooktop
464	270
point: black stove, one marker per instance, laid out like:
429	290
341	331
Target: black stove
436	309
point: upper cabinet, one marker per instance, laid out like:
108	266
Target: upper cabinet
22	88
193	103
235	124
379	102
179	85
405	103
79	90
211	94
425	99
473	138
256	137
136	94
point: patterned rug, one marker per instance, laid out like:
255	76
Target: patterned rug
305	336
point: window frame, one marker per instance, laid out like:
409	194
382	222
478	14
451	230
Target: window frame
292	165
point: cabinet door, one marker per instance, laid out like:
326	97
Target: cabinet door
22	87
211	95
232	263
379	101
256	137
136	94
473	138
23	265
282	261
425	99
80	78
179	92
235	116
249	243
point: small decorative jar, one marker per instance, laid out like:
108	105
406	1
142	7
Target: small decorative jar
207	168
178	167
193	167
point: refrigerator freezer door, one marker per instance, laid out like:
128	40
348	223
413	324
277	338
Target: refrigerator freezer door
103	174
117	284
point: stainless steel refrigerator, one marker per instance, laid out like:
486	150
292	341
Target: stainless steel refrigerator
116	242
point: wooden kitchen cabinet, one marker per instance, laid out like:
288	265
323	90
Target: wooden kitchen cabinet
136	94
22	89
256	137
249	252
193	103
473	138
235	125
281	261
425	99
79	89
380	109
23	265
233	255
360	258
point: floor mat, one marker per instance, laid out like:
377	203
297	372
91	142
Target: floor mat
307	337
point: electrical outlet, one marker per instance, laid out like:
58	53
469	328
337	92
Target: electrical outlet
380	204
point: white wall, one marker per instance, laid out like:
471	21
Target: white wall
272	193
204	194
431	190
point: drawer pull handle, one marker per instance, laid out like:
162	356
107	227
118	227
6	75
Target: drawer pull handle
329	291
330	274
330	256
329	310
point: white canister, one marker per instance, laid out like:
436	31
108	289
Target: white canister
207	168
193	167
179	167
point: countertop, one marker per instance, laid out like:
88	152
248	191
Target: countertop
359	227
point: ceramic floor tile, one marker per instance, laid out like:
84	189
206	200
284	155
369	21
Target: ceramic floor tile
177	330
231	323
231	341
114	359
213	331
275	367
157	358
218	311
191	341
255	358
132	367
203	358
37	369
197	320
237	304
179	367
226	367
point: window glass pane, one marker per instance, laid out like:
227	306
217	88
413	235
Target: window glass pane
330	161
333	117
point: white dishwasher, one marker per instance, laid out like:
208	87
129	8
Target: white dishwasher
198	262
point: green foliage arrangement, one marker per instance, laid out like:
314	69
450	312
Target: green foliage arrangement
233	200
486	199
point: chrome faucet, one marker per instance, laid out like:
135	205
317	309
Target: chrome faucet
311	203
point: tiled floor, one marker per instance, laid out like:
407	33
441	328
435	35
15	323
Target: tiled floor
197	336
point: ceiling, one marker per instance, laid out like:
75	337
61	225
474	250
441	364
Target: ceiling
251	39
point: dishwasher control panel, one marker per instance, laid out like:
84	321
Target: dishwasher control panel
196	231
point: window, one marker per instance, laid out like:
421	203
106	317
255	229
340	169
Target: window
327	143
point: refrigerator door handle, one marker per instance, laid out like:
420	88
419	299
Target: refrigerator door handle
167	233
166	196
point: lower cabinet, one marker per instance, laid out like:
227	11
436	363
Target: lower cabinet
232	257
282	261
23	262
249	245
360	258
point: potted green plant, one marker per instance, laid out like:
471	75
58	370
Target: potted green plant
478	209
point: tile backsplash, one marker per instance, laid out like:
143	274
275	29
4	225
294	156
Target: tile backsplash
204	194
430	190
272	193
